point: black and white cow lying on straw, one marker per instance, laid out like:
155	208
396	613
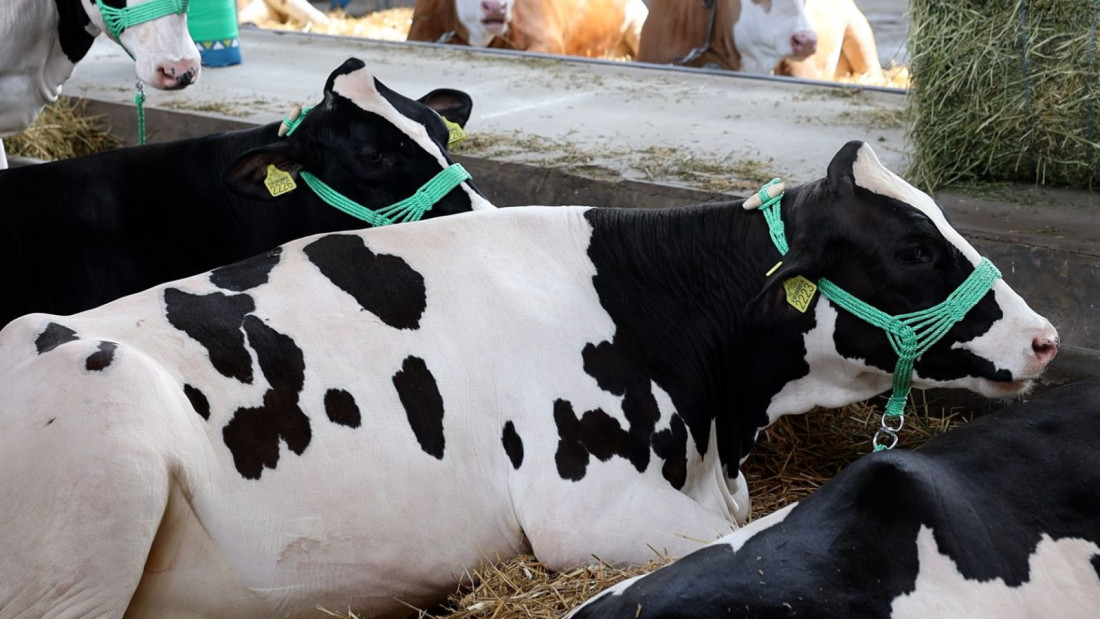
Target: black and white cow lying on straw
82	232
1000	518
354	419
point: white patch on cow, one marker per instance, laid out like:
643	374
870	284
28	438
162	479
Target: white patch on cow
1062	583
472	14
833	380
762	33
1008	343
871	175
359	88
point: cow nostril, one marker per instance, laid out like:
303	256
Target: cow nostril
1045	348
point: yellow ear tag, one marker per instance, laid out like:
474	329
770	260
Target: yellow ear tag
800	292
455	131
279	181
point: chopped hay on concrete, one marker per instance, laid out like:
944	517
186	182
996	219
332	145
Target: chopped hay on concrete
1005	90
62	131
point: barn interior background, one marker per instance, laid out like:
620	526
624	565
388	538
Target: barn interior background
1001	121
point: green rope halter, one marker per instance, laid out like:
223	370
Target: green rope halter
409	209
911	334
118	20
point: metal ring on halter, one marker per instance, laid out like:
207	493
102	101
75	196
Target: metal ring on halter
884	432
886	426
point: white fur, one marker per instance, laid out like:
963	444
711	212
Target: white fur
1062	584
470	14
763	37
359	87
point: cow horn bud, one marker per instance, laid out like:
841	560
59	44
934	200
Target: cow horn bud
291	116
754	201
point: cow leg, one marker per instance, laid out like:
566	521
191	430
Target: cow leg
619	523
3	157
84	478
859	48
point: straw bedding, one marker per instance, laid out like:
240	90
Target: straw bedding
1005	90
62	131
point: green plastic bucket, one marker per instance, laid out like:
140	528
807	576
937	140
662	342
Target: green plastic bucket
213	26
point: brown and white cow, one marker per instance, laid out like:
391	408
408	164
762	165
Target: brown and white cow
589	28
845	44
745	35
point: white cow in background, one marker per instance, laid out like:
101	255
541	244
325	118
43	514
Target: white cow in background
42	40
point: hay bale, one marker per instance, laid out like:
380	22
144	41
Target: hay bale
1005	90
63	130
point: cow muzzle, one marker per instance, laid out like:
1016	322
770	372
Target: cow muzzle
494	16
177	75
803	44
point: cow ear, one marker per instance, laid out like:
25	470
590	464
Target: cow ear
788	292
454	105
248	175
841	176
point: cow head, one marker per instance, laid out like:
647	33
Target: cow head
367	142
164	53
484	19
890	245
767	31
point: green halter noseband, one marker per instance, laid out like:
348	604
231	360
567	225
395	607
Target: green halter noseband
409	209
911	334
118	20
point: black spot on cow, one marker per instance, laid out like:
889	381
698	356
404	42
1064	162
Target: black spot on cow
423	404
53	336
254	434
597	432
198	401
513	444
382	284
102	357
341	408
571	457
52	419
246	274
72	30
1096	565
671	446
214	320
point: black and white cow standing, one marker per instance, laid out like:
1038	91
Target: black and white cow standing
1000	518
42	40
355	418
82	232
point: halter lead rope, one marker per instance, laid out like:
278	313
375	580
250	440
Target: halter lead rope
910	335
409	209
118	20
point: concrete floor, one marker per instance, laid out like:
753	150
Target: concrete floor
612	120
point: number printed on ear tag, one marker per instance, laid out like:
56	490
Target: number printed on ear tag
800	292
279	181
455	133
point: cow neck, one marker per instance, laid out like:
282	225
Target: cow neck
410	209
910	334
676	283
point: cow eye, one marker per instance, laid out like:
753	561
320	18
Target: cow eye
372	156
913	255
